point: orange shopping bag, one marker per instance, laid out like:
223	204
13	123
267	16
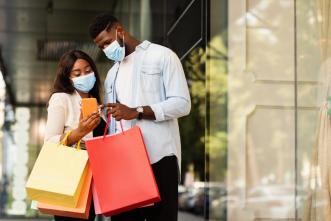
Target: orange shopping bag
122	173
82	210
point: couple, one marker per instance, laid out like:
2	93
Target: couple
146	87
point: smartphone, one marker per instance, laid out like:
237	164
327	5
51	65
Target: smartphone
89	106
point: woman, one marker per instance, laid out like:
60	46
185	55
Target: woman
76	78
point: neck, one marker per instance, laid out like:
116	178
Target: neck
83	95
131	45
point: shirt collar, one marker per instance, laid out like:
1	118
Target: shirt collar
77	96
144	45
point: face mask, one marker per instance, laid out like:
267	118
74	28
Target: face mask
84	83
114	51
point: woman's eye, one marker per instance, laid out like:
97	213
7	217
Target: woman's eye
88	70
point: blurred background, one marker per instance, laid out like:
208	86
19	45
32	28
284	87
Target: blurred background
253	71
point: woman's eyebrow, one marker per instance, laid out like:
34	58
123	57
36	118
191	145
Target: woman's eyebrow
78	69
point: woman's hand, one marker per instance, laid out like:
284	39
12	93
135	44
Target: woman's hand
88	124
85	126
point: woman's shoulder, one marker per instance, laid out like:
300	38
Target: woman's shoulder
60	95
59	98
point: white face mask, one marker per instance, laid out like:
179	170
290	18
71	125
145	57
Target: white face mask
84	83
114	51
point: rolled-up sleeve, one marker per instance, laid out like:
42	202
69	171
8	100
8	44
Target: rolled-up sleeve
55	119
177	102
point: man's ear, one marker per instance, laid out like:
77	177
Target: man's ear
120	31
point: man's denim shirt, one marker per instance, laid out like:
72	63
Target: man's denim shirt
159	82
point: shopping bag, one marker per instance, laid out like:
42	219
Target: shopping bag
97	208
58	174
82	210
122	173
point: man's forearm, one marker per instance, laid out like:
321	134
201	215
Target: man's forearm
147	114
172	108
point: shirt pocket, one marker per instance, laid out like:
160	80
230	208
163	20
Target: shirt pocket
150	79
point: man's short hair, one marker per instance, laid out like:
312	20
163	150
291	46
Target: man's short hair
100	23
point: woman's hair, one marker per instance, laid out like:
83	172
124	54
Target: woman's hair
63	83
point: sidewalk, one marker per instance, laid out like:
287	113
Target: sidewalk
183	216
30	219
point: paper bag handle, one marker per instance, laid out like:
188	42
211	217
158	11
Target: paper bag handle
65	139
107	125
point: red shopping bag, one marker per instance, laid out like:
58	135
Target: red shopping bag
122	173
97	208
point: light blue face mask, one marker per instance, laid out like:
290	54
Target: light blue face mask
84	83
114	51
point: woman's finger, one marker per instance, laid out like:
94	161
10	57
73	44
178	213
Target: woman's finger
96	121
93	117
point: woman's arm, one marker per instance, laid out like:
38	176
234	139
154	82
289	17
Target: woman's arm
57	112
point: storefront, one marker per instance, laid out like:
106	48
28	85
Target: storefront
264	78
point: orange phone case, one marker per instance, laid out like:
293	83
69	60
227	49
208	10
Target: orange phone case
89	105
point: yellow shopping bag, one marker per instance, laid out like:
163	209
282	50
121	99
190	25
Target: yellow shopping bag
58	174
82	210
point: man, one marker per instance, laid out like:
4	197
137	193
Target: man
147	87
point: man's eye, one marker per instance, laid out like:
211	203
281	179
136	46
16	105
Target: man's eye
106	45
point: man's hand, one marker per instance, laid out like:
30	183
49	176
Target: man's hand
121	112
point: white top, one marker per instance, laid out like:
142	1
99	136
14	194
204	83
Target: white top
63	115
124	87
158	80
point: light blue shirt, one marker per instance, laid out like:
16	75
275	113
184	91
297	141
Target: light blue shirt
159	82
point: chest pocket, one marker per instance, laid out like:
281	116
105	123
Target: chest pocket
150	78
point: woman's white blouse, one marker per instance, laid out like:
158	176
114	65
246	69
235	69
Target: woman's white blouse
63	115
